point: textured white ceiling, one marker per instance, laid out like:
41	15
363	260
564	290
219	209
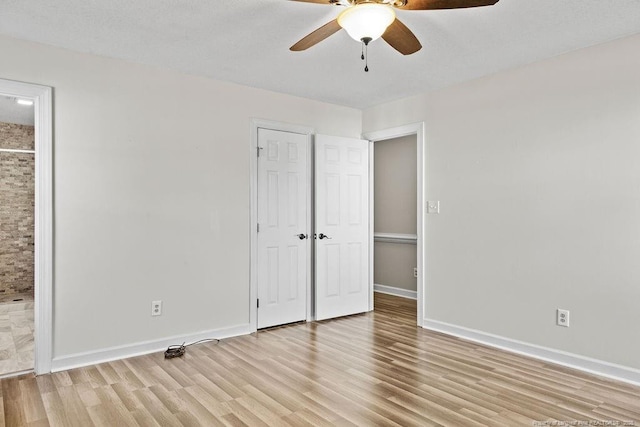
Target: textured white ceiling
10	112
247	41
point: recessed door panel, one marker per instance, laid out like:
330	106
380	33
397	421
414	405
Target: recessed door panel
355	285
332	154
273	198
354	199
273	275
292	151
273	150
293	198
332	199
294	273
332	267
354	155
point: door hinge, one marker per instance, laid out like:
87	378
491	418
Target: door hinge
258	305
258	228
258	150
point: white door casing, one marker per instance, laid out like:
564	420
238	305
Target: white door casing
342	214
43	227
282	217
417	129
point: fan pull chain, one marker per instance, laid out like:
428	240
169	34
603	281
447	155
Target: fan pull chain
366	58
365	52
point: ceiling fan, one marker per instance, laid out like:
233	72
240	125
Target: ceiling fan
368	20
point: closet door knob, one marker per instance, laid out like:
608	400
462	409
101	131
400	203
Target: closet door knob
323	236
301	236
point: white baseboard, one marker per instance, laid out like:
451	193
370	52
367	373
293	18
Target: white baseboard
122	352
399	292
575	361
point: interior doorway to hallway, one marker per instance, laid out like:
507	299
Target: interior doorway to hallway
395	259
397	178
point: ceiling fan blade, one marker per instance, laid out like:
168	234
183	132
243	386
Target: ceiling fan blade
317	36
401	38
445	4
318	1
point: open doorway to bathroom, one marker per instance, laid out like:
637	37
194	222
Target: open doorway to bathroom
17	234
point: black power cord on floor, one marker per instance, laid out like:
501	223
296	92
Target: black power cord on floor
179	350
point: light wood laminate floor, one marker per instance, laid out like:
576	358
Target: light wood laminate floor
372	369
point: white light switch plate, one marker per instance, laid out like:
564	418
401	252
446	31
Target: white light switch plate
433	207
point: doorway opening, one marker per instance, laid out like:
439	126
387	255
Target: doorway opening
17	197
395	268
25	228
397	181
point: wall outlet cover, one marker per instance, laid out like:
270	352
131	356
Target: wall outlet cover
156	308
562	317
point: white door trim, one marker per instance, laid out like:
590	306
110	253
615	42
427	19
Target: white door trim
253	215
43	252
397	132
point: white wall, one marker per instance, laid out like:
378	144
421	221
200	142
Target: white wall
395	192
151	193
393	265
537	170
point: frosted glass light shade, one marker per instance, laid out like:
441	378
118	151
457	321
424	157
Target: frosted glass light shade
366	20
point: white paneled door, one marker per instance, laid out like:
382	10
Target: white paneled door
283	243
341	226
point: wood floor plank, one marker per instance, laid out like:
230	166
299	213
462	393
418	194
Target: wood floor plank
88	394
211	414
14	410
108	414
196	397
158	411
306	418
144	418
267	401
377	368
73	405
31	400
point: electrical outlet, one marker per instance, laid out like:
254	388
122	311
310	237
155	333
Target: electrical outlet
156	308
562	317
415	272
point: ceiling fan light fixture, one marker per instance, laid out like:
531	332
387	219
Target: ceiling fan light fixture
366	20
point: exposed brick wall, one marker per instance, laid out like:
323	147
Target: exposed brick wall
17	137
17	191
